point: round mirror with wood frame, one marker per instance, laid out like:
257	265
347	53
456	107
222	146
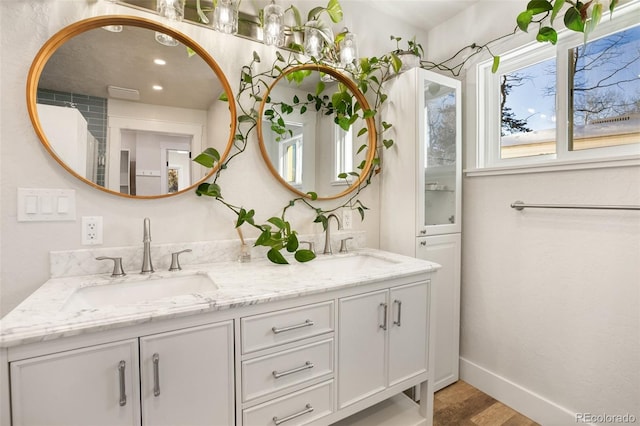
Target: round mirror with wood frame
67	68
308	143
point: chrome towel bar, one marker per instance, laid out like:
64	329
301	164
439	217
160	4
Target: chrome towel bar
520	205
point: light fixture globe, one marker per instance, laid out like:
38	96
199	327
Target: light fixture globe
273	25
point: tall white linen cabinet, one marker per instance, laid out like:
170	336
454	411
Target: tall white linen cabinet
421	195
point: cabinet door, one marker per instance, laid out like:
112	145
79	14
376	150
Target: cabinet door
439	154
94	386
445	297
408	331
187	376
361	350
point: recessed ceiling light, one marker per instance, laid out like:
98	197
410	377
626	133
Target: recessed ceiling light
159	61
157	87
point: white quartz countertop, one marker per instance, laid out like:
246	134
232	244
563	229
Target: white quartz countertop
47	313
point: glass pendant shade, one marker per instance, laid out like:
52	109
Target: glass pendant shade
173	10
273	25
348	51
225	17
166	40
312	41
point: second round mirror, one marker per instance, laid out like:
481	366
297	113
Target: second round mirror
313	136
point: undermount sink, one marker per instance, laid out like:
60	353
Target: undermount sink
355	261
137	292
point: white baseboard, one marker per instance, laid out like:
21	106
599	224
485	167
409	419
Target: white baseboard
532	405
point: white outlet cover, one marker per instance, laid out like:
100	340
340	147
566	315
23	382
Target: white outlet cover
91	230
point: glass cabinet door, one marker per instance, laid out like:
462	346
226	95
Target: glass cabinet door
439	208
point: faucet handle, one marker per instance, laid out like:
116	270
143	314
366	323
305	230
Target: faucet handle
117	265
175	261
311	245
343	244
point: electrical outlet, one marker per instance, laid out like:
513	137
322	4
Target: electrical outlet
91	230
347	219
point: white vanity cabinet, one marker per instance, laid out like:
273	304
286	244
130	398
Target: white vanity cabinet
97	385
421	195
180	377
383	340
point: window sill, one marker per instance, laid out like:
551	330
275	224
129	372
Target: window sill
556	166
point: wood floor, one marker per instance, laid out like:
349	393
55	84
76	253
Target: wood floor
461	404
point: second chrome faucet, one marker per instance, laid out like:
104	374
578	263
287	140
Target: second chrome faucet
147	266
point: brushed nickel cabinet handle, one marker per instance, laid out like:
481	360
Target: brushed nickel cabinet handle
307	409
156	374
276	330
123	395
307	365
399	304
384	322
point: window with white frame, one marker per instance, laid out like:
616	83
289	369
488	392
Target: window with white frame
572	101
343	154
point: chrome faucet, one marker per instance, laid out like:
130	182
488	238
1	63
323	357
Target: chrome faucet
327	233
147	266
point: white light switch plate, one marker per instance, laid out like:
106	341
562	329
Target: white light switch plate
46	205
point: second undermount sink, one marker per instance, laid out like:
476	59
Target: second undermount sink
139	292
353	261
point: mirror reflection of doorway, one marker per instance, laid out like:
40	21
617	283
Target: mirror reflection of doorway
154	156
178	162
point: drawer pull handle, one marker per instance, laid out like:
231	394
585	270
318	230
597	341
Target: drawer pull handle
156	374
384	323
123	395
307	365
307	409
399	303
276	330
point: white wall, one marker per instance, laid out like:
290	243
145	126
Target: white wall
25	163
550	298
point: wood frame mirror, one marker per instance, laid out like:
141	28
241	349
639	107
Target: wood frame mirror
191	49
312	165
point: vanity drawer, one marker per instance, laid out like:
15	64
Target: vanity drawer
270	373
275	328
298	408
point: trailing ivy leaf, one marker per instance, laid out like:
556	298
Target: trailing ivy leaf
496	63
612	6
374	79
361	165
362	147
246	78
544	34
263	238
335	11
557	6
223	97
279	56
524	19
344	123
396	63
354	174
342	176
276	257
292	243
321	219
369	113
592	23
386	125
296	100
304	255
388	143
277	222
573	20
312	195
244	118
361	211
365	65
539	6
363	131
312	15
303	109
383	98
208	157
256	57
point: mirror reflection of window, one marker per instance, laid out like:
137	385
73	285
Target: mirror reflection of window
343	154
290	164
